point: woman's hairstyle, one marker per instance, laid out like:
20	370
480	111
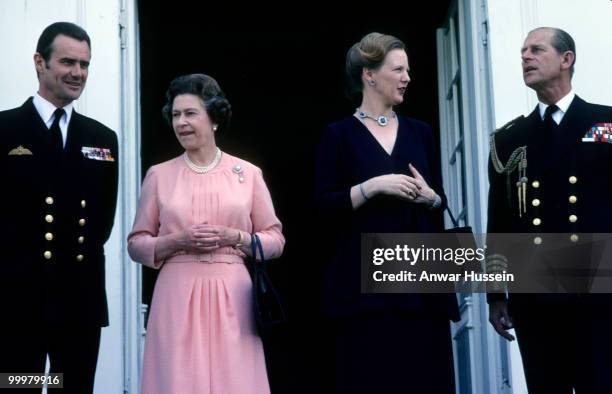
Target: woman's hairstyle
368	53
207	89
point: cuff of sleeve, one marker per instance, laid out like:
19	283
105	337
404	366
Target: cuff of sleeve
142	250
437	202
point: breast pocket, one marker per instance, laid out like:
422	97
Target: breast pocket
97	167
593	163
595	157
22	169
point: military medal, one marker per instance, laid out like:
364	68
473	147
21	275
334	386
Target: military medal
600	132
102	154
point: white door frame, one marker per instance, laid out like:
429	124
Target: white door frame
133	316
465	102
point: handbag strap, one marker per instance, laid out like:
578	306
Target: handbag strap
259	268
455	223
256	247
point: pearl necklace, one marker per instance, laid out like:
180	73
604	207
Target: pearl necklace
206	168
381	120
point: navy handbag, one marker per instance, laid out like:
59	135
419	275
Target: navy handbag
269	310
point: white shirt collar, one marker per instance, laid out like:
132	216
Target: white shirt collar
45	109
563	105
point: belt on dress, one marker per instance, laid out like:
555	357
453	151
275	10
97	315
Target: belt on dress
206	258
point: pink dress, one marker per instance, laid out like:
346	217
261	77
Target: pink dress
201	335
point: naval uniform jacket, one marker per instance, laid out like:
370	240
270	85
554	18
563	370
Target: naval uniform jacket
57	213
569	181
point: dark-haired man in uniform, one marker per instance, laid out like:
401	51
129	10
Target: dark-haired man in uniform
59	175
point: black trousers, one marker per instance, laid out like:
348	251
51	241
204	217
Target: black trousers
565	344
72	349
393	352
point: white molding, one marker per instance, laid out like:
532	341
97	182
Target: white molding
81	20
131	178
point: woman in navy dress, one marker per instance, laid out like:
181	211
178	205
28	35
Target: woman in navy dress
378	172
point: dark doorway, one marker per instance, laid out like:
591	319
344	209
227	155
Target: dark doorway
285	83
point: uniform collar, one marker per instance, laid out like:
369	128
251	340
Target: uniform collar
563	105
45	109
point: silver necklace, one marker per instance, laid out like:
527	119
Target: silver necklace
206	168
381	120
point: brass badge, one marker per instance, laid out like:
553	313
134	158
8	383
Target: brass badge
19	151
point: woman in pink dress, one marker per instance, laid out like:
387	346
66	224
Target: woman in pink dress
194	221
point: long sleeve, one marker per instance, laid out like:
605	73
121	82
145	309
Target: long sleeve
436	215
499	212
109	205
265	223
142	239
436	171
499	221
333	196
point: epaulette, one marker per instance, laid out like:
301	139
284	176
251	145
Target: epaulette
516	160
509	124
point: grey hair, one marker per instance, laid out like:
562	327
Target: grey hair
562	42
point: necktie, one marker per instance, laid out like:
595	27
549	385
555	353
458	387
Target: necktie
549	124
56	132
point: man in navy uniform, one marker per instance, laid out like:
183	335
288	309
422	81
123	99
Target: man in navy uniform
59	177
546	176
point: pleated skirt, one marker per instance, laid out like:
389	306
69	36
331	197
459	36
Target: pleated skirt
201	335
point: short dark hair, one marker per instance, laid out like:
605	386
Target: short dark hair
562	42
207	89
45	41
368	53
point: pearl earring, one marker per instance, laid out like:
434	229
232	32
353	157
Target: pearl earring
214	128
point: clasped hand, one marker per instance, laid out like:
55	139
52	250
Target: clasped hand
411	188
204	238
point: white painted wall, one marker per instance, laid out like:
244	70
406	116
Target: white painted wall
21	22
509	23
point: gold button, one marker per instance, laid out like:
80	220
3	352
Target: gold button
49	200
49	219
81	222
83	203
47	255
49	236
81	239
535	202
574	238
537	221
535	184
573	218
79	258
537	240
572	199
573	179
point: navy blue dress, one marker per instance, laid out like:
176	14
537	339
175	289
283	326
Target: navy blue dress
349	154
